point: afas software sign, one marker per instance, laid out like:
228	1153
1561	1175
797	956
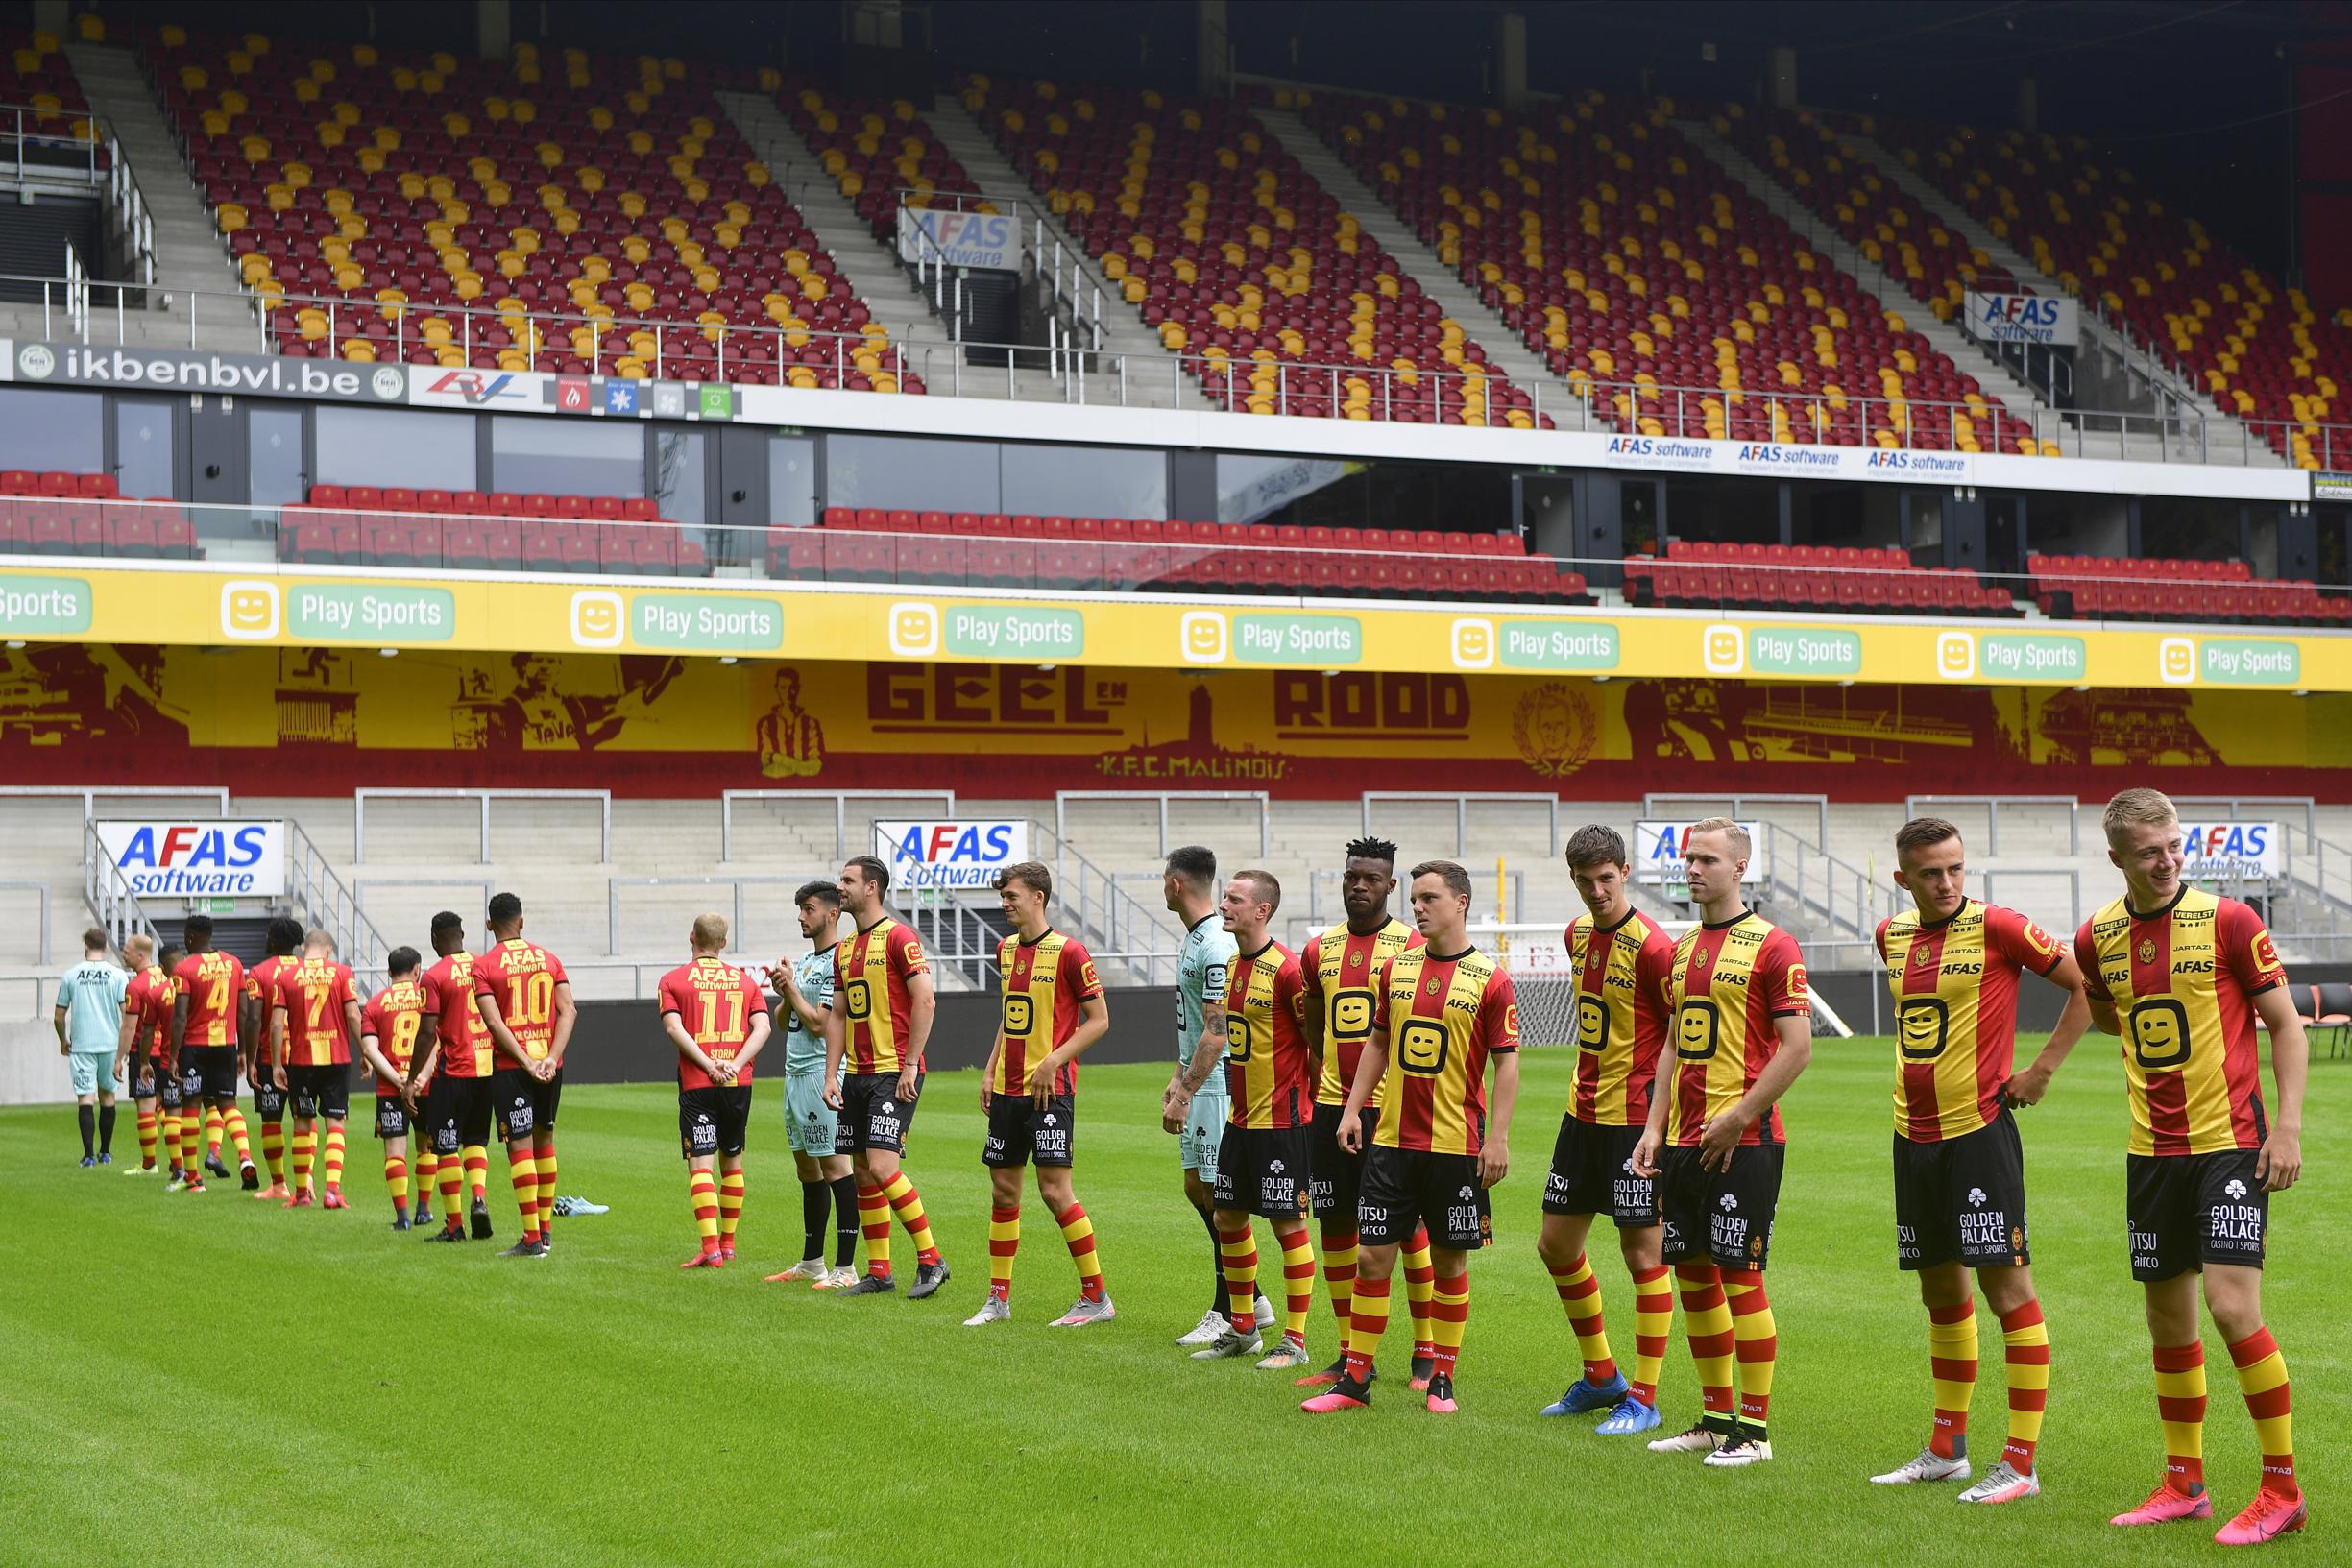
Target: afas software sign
171	858
2229	851
949	854
1659	857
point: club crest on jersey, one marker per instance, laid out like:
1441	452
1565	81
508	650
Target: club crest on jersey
1432	988
1921	958
1698	958
2147	949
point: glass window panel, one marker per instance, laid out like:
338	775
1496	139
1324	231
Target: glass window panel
791	481
405	447
58	433
901	472
568	457
1084	481
143	466
681	479
273	456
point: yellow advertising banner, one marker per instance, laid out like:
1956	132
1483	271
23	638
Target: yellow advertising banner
213	607
320	720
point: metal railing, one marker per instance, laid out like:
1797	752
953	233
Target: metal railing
1105	916
1094	377
1992	805
1461	802
38	157
1163	799
41	891
955	937
840	799
362	796
734	885
108	893
320	898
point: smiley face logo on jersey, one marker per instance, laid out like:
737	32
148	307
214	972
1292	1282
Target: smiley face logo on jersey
1922	1028
2158	1028
861	1000
1421	1047
1351	1014
1020	1013
1591	1023
1696	1025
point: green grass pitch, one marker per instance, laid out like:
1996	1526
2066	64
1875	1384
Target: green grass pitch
211	1380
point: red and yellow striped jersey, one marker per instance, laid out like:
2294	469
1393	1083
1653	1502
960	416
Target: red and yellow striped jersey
2183	981
716	1003
1047	984
1954	983
1728	984
870	972
212	983
463	1037
1266	1050
522	976
1341	971
314	993
1444	1016
1621	972
147	1001
396	1017
261	990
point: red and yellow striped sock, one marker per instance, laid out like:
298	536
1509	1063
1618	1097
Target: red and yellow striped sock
1653	1321
1758	1338
1004	1243
2262	1377
334	1157
1952	1366
451	1174
305	1154
274	1150
1238	1251
874	1218
191	1140
1706	1322
2180	1404
2026	1340
1420	1289
396	1182
1580	1294
425	1166
171	1138
523	1170
212	1131
1368	1321
1297	1280
478	1173
1340	1248
702	1191
235	1119
146	1140
1449	1315
730	1203
1077	1235
908	1204
546	1189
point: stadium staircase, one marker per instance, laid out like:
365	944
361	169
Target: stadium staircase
1122	334
1420	262
2228	441
189	258
1997	380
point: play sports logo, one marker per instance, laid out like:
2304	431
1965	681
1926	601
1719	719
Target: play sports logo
74	364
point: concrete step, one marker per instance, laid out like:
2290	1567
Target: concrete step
190	259
1151	378
2226	431
1504	348
2017	396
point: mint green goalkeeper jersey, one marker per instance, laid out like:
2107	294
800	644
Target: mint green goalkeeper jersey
1203	960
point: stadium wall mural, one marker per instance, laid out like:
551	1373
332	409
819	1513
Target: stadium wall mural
310	721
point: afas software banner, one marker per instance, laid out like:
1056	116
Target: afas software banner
295	721
309	608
